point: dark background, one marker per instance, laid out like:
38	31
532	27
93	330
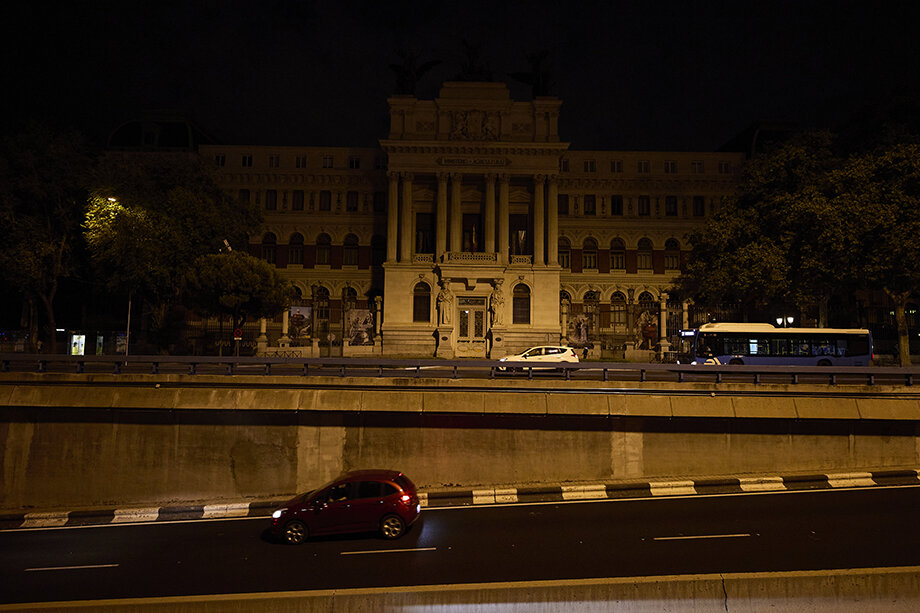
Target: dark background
632	75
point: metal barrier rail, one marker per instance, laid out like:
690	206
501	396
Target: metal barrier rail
607	371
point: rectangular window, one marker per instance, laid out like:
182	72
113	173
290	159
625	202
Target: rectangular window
421	307
325	200
351	201
354	163
328	161
589	260
616	166
424	232
220	160
616	205
644	166
380	202
274	161
725	168
563	165
380	163
590	204
617	260
645	206
699	206
670	206
644	260
271	200
297	200
520	309
590	166
563	201
246	161
300	161
671	261
670	167
696	167
244	196
565	259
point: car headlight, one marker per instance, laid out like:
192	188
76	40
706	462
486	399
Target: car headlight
278	513
502	359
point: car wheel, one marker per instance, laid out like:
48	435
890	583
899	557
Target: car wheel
392	527
735	362
295	532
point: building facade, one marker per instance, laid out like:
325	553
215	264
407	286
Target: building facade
474	231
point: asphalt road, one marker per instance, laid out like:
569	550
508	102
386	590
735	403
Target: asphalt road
801	530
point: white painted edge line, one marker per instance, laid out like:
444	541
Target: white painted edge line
44	520
699	536
84	567
123	516
672	488
762	484
584	492
226	510
850	480
355	553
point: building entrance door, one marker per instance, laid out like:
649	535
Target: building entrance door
471	326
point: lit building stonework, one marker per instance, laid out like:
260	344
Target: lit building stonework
473	231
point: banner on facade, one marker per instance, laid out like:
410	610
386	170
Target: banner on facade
581	331
301	323
360	329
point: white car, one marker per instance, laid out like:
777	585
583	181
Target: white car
545	353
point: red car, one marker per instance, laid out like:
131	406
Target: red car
383	501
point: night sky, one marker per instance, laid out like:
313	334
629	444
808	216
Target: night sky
641	75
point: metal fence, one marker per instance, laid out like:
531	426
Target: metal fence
454	369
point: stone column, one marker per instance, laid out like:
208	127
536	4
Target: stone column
441	218
552	222
503	195
392	216
663	323
262	339
539	203
285	340
406	238
489	224
456	212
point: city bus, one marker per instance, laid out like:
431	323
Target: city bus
737	343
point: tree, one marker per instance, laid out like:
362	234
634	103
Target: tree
879	197
151	217
772	242
237	285
44	176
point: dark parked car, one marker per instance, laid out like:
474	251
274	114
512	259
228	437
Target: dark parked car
384	501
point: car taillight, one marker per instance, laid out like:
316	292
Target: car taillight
405	498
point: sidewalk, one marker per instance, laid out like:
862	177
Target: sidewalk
447	497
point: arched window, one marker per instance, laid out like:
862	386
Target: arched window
617	254
672	254
520	304
269	248
644	255
565	252
321	306
350	255
618	312
295	249
421	303
323	249
648	303
349	298
589	254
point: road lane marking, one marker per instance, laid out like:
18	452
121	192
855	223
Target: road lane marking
699	536
71	567
354	553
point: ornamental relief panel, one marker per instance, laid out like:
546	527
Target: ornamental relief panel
474	125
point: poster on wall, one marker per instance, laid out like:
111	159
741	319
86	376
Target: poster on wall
301	324
360	329
580	331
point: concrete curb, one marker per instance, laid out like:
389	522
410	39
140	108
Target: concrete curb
449	497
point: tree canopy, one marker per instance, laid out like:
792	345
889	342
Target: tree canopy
44	177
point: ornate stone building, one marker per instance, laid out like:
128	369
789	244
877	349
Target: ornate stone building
473	231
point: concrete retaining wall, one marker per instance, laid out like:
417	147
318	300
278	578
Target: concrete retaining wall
93	441
848	591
